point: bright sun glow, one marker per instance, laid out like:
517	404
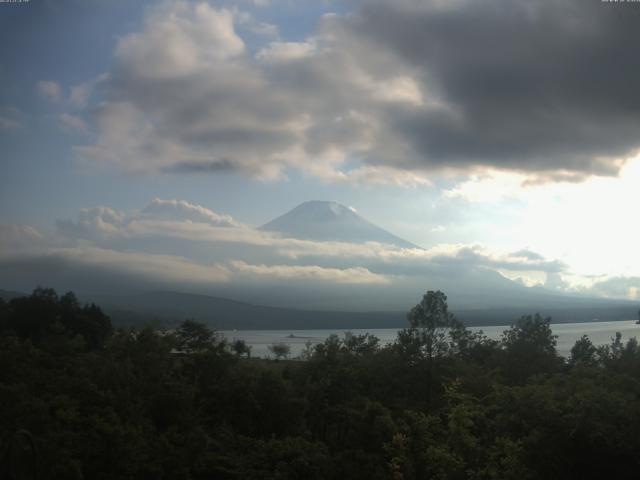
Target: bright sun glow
591	226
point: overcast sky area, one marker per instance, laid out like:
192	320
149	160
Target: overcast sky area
149	139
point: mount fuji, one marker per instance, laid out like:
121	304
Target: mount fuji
330	221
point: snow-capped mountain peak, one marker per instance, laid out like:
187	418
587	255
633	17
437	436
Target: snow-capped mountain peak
330	221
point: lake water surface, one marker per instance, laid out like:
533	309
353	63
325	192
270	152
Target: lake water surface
600	333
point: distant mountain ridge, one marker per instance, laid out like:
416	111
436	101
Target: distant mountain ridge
330	221
167	308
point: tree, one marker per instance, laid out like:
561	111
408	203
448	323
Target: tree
280	350
529	347
431	327
4	314
44	314
307	351
194	337
531	332
33	317
366	344
584	352
95	326
241	348
431	334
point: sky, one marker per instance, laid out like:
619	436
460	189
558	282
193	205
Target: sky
499	135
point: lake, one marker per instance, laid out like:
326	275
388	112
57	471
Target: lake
600	333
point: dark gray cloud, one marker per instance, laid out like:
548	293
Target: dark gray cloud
534	86
211	166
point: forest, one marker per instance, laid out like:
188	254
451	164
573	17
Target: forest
80	399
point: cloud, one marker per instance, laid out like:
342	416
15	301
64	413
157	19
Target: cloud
491	186
528	254
515	99
79	95
169	267
15	235
388	93
255	26
355	275
72	123
192	225
88	268
183	210
617	287
177	244
277	52
186	95
162	219
50	90
555	281
179	39
11	119
93	223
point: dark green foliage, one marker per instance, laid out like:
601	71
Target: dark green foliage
440	403
432	328
44	315
195	337
241	348
584	352
280	350
529	348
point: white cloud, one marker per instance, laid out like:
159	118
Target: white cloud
72	123
169	268
177	241
617	287
94	223
185	211
355	275
79	95
255	26
185	95
187	222
179	38
286	51
11	119
15	235
50	90
491	186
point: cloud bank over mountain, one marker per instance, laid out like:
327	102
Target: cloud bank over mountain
178	245
390	93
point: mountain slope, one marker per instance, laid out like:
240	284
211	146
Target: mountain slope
329	221
167	308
